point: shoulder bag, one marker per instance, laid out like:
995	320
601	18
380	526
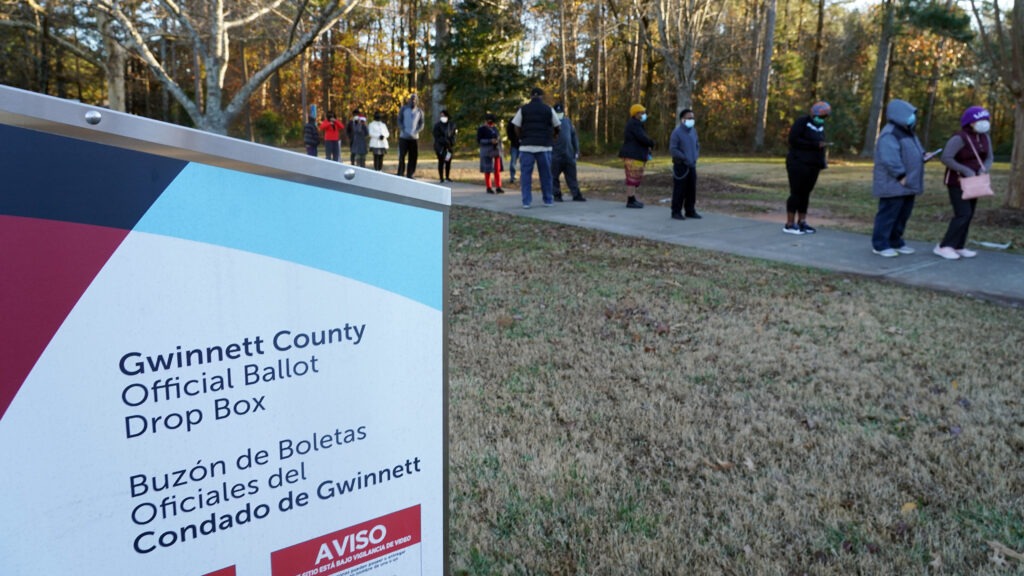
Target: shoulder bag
975	186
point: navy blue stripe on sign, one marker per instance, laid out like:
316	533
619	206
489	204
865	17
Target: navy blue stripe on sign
59	178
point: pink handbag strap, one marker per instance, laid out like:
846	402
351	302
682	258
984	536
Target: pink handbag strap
965	136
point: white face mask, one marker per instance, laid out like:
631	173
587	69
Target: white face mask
560	115
444	120
689	122
982	126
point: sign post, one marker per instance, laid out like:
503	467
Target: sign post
217	357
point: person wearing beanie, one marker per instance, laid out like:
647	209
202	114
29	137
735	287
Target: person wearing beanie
358	137
685	149
966	153
897	178
635	152
444	145
536	125
806	159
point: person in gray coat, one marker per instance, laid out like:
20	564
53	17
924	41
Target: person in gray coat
898	178
564	154
410	124
685	149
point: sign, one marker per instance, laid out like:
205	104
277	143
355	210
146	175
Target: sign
218	358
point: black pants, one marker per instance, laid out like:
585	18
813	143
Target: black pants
411	148
684	188
378	159
444	165
802	178
963	211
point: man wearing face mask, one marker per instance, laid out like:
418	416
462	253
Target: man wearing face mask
685	149
805	160
967	153
563	157
898	178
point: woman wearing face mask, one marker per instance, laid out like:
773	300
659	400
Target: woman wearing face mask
489	138
966	153
635	152
898	178
444	145
805	160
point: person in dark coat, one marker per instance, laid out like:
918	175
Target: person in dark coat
966	153
358	138
805	160
537	126
685	149
489	139
444	145
635	152
311	136
513	150
563	157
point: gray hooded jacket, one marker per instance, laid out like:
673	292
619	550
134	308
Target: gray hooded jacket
898	155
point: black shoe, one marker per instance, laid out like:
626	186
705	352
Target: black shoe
498	190
694	215
634	204
678	216
559	198
490	190
579	198
805	228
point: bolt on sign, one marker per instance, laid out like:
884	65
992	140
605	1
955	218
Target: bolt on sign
218	358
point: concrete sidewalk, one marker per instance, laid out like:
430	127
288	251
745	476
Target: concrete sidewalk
993	275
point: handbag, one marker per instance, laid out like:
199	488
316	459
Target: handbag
975	186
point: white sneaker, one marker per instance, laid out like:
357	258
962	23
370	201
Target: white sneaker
887	253
946	252
905	249
965	253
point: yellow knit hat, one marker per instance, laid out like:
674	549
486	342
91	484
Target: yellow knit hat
636	109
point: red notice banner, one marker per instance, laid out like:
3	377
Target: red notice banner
345	549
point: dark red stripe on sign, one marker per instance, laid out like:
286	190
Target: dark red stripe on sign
229	571
46	266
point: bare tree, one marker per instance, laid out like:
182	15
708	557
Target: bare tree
684	28
761	116
880	78
207	27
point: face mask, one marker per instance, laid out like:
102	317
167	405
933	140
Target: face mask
982	126
912	120
560	115
689	122
643	117
444	120
818	120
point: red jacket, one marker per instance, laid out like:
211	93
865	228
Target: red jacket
332	129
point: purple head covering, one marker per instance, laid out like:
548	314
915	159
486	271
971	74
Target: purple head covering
821	109
972	115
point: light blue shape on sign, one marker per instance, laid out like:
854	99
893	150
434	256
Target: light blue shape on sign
393	246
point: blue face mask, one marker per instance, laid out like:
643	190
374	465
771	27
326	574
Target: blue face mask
643	117
818	120
912	120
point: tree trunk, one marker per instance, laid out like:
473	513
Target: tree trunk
438	86
818	47
115	65
880	78
1015	192
765	74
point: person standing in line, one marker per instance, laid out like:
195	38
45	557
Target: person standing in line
635	152
358	134
685	149
378	134
805	160
332	128
898	178
489	139
310	136
513	150
966	153
410	124
563	157
444	145
536	125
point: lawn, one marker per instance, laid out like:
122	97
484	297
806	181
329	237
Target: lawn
620	406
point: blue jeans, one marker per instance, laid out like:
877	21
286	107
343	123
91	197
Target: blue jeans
891	221
333	150
543	161
513	157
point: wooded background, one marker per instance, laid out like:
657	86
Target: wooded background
748	68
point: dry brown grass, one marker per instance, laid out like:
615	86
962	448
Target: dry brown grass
619	406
